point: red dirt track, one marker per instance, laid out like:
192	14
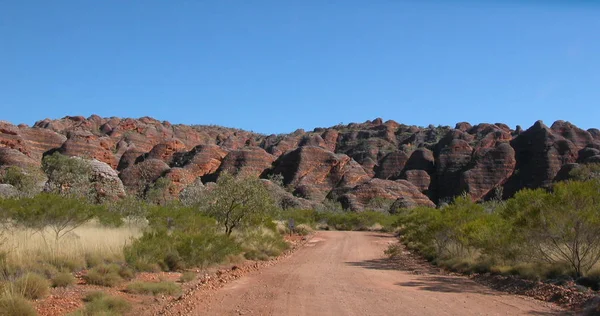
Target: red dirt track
346	273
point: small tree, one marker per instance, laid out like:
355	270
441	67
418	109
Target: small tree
26	180
158	192
68	176
61	214
238	202
562	226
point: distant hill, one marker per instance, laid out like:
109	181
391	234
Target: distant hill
358	164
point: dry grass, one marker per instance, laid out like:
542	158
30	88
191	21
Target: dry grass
154	288
26	249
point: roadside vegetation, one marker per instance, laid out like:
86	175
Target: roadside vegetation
51	233
69	228
549	235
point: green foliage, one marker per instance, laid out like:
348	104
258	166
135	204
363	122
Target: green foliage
108	275
560	226
585	172
368	220
63	279
154	288
300	216
62	214
179	237
537	234
25	180
158	192
379	204
98	303
68	176
32	286
260	244
238	203
13	305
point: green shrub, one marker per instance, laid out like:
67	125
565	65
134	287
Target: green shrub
187	276
361	221
32	286
104	275
98	303
303	229
15	305
154	288
178	250
393	251
63	279
260	244
308	217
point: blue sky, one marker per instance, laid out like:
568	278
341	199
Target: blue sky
274	66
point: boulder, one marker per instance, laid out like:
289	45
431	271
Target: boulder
166	150
106	181
250	161
201	160
138	176
315	171
492	168
418	178
8	191
360	196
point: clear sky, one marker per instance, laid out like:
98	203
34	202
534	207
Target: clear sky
275	66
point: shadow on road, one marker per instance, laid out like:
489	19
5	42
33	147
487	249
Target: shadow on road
406	264
447	284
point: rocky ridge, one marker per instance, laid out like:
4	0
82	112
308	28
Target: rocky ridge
352	163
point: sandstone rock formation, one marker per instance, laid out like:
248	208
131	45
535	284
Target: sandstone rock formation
343	162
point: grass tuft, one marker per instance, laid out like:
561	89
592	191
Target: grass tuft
16	305
108	275
154	288
98	303
32	286
187	276
63	279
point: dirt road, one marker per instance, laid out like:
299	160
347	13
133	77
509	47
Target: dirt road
345	273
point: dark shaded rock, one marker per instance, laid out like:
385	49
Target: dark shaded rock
492	168
418	178
451	162
391	165
463	126
595	133
565	172
421	159
586	153
572	133
540	155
